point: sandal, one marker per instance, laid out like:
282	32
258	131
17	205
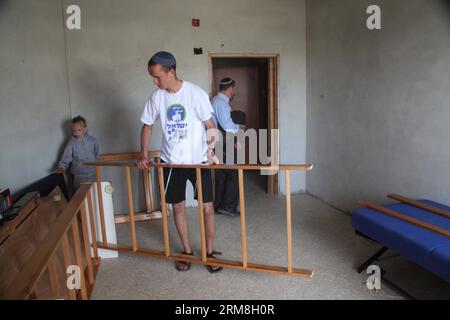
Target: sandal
183	265
213	269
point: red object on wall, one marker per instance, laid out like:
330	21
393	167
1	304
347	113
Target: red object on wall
196	22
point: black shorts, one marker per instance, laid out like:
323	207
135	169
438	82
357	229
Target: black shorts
176	188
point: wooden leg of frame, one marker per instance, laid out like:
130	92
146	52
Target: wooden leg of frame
92	226
100	203
164	212
67	263
201	212
131	208
87	247
288	220
242	208
79	257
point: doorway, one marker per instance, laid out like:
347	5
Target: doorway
256	79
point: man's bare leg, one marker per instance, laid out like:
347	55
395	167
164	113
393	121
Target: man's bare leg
179	215
210	225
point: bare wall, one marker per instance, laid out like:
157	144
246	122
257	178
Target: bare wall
34	104
378	101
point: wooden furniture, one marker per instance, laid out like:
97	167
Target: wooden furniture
151	212
418	230
50	237
121	161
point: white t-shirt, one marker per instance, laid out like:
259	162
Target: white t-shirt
182	114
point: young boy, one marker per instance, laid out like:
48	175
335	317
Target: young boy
81	148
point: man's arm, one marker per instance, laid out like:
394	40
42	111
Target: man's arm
212	135
146	135
224	117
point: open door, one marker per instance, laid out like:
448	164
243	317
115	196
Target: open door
256	94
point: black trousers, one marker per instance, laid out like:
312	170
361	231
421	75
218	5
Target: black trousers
176	185
227	189
226	182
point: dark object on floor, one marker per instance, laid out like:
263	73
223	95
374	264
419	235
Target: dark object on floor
227	212
17	214
44	186
10	213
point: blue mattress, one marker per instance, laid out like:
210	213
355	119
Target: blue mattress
426	248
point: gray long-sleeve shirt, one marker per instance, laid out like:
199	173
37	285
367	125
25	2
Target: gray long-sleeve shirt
79	151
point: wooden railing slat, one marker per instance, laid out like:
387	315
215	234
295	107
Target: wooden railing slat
303	167
288	219
79	257
420	205
406	218
201	212
164	212
92	226
67	263
127	156
100	203
131	208
243	226
87	247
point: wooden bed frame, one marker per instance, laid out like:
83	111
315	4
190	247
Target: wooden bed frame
125	161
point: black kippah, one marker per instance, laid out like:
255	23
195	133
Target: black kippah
164	58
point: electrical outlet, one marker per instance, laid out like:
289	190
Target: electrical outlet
198	51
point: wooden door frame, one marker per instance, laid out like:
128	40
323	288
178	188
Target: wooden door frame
274	61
